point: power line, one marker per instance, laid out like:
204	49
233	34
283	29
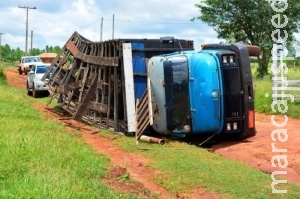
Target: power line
126	21
159	22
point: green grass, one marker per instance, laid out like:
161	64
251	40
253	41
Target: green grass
263	95
39	159
184	168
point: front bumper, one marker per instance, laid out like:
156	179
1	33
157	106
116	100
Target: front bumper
41	88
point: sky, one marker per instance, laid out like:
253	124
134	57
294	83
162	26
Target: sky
53	22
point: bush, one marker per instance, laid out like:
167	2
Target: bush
2	77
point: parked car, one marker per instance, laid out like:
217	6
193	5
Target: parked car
26	62
34	76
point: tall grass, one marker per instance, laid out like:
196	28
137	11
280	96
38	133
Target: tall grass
39	159
263	94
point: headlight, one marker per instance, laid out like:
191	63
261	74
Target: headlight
39	84
228	126
235	126
231	59
224	59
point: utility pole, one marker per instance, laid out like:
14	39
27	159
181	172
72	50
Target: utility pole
31	41
1	33
26	39
113	28
101	29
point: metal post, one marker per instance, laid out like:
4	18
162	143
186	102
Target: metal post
113	28
101	29
31	43
26	39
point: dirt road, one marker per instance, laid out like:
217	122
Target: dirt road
255	151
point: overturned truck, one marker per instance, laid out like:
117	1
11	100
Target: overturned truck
130	85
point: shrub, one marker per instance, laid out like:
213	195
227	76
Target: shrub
2	77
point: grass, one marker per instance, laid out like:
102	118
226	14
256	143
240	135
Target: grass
186	167
39	159
263	95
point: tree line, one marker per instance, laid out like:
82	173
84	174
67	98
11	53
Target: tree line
9	55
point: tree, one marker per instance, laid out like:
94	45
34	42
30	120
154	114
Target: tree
56	49
5	52
11	55
250	21
35	51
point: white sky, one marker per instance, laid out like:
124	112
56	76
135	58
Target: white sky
53	22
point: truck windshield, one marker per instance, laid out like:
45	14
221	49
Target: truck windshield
41	69
181	91
32	59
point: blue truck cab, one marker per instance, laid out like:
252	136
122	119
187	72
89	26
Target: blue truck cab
206	91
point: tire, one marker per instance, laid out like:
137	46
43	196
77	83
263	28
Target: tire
35	93
28	91
20	71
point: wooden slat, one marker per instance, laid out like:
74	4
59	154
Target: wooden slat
105	61
72	48
68	87
101	108
143	117
82	107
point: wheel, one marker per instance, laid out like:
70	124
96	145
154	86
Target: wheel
34	92
25	71
20	71
28	91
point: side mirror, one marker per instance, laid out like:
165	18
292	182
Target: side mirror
30	72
